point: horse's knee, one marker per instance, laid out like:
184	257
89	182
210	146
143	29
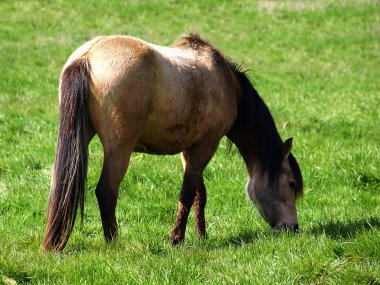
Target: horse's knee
201	197
188	194
189	189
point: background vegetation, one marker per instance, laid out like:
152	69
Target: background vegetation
315	63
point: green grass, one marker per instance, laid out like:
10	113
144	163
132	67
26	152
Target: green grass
317	66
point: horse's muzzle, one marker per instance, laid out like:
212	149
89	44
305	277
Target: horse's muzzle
287	227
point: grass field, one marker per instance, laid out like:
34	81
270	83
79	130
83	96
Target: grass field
317	66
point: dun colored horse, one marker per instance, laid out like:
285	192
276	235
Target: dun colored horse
138	96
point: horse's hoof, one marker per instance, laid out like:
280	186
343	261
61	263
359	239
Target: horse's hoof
176	239
175	242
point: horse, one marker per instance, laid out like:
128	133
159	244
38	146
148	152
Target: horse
138	96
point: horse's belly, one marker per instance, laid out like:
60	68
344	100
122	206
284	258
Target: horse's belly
158	138
158	149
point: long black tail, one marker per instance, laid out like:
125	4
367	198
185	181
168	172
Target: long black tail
70	170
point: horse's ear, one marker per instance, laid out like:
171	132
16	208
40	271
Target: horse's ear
287	148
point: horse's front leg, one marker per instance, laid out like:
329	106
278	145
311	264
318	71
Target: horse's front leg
186	200
199	209
193	190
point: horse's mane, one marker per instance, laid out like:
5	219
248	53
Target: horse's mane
254	131
195	42
255	134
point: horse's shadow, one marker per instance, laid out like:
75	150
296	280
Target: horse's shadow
345	229
334	229
245	237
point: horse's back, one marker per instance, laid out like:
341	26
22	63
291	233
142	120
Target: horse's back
170	97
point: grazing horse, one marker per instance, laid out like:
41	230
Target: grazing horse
138	96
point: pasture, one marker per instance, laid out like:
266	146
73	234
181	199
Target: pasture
315	64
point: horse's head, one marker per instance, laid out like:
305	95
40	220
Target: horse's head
275	197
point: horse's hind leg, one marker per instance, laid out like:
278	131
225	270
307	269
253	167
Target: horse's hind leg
114	167
118	144
193	190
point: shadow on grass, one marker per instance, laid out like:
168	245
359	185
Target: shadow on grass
346	230
332	229
367	182
245	237
15	276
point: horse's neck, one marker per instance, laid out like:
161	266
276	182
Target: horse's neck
254	131
251	160
256	157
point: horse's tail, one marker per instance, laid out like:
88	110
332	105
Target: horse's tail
70	170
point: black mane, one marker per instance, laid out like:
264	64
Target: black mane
254	131
196	42
255	134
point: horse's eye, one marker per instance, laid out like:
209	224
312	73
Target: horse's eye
292	184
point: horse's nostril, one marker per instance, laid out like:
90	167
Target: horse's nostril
287	227
284	226
293	227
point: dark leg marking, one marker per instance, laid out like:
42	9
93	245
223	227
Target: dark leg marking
199	209
186	199
107	200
